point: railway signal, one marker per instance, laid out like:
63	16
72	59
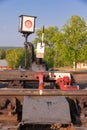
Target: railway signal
26	24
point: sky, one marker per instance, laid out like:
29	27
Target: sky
48	13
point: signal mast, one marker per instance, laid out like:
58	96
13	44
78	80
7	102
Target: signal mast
27	27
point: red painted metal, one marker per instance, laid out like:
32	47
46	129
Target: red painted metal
40	76
65	83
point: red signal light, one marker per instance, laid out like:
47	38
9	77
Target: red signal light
28	24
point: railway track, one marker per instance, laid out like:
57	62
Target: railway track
12	94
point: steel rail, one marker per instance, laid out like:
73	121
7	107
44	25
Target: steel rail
44	92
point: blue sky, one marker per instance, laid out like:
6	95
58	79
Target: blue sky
48	13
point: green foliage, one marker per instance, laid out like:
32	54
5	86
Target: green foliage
59	50
83	54
15	57
49	57
2	54
67	45
48	36
49	40
75	36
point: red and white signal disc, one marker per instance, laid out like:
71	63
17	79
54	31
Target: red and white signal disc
28	24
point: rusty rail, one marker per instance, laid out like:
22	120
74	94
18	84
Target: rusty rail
44	92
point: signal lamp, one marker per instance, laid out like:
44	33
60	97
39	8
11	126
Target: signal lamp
26	24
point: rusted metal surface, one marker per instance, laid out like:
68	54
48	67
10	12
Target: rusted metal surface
24	78
80	76
10	110
44	92
80	128
16	75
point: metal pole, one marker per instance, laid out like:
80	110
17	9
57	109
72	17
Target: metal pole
43	35
26	46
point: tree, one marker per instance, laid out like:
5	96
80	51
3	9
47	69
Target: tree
2	54
49	34
75	36
67	45
83	54
59	50
15	57
49	57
